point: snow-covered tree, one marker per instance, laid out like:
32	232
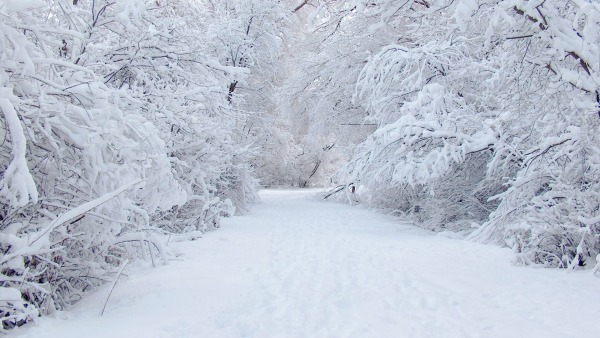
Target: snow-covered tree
504	92
117	129
316	96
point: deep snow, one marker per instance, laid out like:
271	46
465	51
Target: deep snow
297	267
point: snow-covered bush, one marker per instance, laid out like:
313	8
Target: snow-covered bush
163	62
550	122
116	128
439	170
488	116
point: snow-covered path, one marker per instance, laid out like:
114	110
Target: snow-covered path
296	267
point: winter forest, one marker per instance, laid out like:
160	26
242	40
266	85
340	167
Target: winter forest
128	125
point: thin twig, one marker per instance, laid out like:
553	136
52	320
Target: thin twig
112	286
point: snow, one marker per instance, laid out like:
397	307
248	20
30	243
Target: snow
10	294
82	209
297	267
19	5
16	177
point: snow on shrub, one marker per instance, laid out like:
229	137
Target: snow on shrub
493	109
110	127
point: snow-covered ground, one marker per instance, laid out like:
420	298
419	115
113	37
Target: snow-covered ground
296	267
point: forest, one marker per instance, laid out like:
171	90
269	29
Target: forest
126	125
